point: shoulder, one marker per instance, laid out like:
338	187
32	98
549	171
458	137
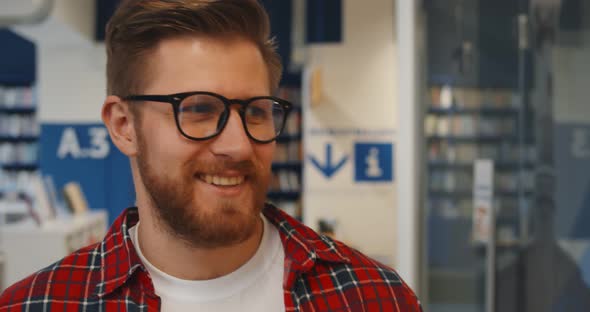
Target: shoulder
376	284
340	278
71	278
331	276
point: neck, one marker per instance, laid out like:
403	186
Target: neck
176	258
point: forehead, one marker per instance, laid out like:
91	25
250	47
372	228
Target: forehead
233	67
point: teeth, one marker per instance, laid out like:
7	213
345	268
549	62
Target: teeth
223	181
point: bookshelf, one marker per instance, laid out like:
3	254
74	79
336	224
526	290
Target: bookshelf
465	124
19	135
285	188
461	125
19	129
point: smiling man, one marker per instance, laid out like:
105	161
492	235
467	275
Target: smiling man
190	102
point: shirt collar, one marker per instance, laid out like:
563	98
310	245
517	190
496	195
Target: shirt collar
119	260
303	248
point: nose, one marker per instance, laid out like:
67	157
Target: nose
233	141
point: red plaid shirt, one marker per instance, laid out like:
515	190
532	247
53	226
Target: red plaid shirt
320	275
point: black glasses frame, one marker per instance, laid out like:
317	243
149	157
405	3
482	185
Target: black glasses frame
176	99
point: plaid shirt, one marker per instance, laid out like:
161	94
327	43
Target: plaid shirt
320	275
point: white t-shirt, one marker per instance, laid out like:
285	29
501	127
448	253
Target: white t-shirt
255	286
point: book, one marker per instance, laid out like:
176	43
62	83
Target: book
75	198
42	202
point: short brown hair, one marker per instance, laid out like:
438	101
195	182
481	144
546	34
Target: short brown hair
138	26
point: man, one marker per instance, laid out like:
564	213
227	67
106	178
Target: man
190	85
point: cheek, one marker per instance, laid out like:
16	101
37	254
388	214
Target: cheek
265	155
163	145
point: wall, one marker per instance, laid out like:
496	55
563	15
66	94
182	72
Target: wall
71	80
572	70
359	89
11	8
78	14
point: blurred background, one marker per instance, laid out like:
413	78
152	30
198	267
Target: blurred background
449	139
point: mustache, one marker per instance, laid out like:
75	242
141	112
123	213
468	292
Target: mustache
243	166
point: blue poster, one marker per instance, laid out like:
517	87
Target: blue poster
85	154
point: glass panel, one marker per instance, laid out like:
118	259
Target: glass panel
507	80
552	272
472	112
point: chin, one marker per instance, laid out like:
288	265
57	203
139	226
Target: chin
218	223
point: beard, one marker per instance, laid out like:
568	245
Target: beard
204	222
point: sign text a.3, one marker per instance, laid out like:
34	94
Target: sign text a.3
94	146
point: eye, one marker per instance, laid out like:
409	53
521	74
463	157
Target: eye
258	112
199	108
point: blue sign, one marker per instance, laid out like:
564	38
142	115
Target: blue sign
84	153
373	162
328	169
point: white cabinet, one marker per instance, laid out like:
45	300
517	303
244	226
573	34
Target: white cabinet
27	248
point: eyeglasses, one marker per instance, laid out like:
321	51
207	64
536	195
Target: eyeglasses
202	115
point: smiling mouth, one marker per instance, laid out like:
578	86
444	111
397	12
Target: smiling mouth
221	180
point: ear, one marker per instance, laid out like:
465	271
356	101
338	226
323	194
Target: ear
120	123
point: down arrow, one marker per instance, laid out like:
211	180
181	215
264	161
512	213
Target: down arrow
328	169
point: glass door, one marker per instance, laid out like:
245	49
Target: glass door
551	271
506	81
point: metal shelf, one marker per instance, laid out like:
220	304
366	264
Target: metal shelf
286	138
466	194
279	195
292	166
17	110
20	167
483	111
477	139
18	139
501	165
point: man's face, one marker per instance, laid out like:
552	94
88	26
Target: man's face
208	193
